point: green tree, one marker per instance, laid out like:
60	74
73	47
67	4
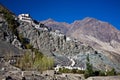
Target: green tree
35	60
89	69
26	61
43	63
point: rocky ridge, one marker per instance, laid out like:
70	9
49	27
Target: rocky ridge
54	25
54	43
7	36
101	36
98	34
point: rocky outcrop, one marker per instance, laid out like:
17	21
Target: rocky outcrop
8	43
96	28
7	48
16	43
5	33
98	34
55	44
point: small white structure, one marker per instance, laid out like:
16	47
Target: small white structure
45	29
72	66
68	39
57	33
73	62
3	69
37	26
22	74
68	67
57	68
25	17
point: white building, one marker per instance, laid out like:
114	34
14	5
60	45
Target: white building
68	39
25	17
57	33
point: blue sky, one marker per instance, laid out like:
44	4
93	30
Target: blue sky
68	10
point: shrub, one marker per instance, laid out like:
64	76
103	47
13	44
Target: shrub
89	69
12	24
101	73
76	71
111	72
80	71
29	46
35	61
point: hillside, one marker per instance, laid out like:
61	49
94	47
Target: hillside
54	25
68	44
7	32
98	34
55	44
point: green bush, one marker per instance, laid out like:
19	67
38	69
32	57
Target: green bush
101	73
37	53
25	62
111	72
90	72
80	71
89	69
64	70
75	71
98	73
29	46
35	61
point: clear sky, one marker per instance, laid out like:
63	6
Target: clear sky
67	10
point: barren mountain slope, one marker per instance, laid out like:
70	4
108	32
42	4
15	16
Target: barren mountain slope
54	25
98	34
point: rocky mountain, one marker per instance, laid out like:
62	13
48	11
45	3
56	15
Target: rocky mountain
85	37
57	45
54	25
96	33
100	35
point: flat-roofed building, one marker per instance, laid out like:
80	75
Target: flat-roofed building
25	17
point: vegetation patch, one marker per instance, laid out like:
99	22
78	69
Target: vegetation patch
12	23
35	61
90	72
75	71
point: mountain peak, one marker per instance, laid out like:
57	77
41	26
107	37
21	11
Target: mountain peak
87	19
50	20
90	18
